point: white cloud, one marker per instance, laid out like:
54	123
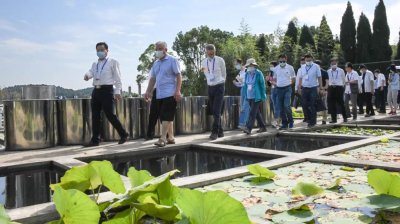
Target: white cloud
271	8
7	26
21	46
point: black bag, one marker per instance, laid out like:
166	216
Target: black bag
320	105
354	88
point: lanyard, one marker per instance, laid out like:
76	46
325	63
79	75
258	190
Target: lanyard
251	80
97	70
309	67
337	74
213	65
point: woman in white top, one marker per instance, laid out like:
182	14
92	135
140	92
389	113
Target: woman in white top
393	89
351	90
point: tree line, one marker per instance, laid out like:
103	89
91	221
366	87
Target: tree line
357	43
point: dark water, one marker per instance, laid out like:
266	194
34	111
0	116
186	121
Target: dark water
189	162
290	143
28	187
385	121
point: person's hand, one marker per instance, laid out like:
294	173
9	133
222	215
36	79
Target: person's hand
178	96
299	91
118	97
147	96
381	88
86	78
373	92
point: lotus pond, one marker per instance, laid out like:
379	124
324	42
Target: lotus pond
380	152
355	131
329	194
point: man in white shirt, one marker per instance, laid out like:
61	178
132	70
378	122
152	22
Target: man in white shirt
310	82
337	80
215	71
284	77
296	86
105	74
380	91
368	90
352	90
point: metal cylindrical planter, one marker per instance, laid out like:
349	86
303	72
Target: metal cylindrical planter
123	113
30	124
74	121
134	117
191	115
229	115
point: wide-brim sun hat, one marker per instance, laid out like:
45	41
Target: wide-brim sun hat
251	61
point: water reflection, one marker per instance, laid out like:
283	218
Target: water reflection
27	188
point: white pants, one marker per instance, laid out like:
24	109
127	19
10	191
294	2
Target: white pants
392	99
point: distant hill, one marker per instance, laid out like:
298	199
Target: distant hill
14	92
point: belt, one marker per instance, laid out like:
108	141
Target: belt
282	87
103	86
334	86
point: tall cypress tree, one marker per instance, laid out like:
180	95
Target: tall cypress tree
398	50
348	34
381	50
326	44
306	37
292	31
261	45
364	37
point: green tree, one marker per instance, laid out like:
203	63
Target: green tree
146	60
364	37
306	38
190	47
381	50
292	31
262	46
288	47
325	42
244	28
397	57
348	34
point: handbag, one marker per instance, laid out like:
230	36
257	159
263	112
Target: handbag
320	105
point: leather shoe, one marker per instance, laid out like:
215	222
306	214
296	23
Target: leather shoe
123	139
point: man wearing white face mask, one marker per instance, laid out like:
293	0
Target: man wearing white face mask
105	73
167	74
337	80
215	71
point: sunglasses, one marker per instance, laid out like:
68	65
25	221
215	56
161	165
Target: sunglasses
282	61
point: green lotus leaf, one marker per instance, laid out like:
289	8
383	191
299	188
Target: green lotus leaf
129	216
384	182
4	218
260	172
138	177
102	173
307	189
151	208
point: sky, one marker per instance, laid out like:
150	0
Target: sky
53	41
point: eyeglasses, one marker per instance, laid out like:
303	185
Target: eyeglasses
282	61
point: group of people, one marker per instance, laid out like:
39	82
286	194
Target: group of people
332	90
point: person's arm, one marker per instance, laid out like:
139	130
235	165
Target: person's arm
150	87
371	76
117	80
223	68
177	69
293	74
88	75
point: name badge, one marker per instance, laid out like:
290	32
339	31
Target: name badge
249	87
210	77
306	77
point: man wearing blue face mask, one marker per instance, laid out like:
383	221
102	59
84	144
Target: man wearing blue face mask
105	74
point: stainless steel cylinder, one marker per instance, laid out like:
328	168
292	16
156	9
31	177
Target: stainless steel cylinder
74	121
30	124
191	117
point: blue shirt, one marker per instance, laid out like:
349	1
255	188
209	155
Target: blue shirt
250	81
394	84
165	72
310	75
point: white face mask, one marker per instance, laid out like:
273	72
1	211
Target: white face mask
271	68
251	69
282	64
159	54
334	66
238	66
308	63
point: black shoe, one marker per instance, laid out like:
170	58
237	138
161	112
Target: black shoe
332	122
360	113
221	135
367	115
310	125
323	122
123	139
213	136
149	138
92	144
345	120
247	131
262	130
283	128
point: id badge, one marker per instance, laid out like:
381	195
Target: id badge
249	87
306	77
210	77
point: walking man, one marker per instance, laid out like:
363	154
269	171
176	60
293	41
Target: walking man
105	74
337	80
324	92
310	82
215	71
368	90
352	90
380	81
167	74
284	77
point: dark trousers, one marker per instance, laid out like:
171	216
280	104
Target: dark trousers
215	103
255	113
309	96
153	116
380	100
283	102
361	102
336	102
103	100
368	102
352	97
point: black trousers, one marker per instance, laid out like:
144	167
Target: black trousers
215	103
153	116
255	114
361	102
335	100
368	102
380	100
103	100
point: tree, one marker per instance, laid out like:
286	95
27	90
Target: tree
262	46
190	47
397	57
364	36
288	47
244	28
139	80
146	60
306	38
381	50
325	42
348	34
291	31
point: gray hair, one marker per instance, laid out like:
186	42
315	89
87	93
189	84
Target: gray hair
162	43
210	47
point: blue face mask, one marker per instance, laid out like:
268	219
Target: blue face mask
101	54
